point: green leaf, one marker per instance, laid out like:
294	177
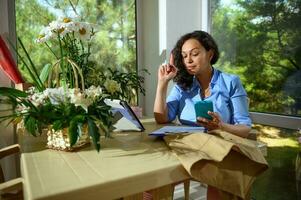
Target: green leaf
94	133
31	125
11	92
57	125
73	128
45	72
32	68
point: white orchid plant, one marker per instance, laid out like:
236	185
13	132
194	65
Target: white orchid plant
59	98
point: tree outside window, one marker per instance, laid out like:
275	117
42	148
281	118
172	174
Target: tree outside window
261	42
114	44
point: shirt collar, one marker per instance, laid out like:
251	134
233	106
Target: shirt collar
196	84
214	78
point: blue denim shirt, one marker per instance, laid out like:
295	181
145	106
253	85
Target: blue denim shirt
227	94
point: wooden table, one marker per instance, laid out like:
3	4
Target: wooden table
130	163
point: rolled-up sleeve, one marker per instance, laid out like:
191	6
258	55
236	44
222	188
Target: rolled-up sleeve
239	101
173	103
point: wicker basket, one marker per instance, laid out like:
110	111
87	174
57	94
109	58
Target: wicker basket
59	140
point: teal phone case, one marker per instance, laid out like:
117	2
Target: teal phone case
202	108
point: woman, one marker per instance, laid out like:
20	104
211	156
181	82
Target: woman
197	80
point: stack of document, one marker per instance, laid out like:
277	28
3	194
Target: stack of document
167	130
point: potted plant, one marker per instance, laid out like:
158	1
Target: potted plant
124	85
59	100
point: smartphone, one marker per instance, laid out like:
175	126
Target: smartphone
202	108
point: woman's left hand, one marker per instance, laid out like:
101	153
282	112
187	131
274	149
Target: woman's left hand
215	123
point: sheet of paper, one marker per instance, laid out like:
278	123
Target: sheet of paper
176	129
114	103
125	125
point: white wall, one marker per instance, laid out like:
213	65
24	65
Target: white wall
182	17
7	134
160	24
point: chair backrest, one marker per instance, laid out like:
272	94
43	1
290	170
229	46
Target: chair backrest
7	151
11	189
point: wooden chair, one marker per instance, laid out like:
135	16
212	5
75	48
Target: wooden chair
12	189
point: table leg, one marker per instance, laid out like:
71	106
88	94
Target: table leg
186	189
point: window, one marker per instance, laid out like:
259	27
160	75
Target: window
261	42
114	44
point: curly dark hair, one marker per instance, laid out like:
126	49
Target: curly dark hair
183	78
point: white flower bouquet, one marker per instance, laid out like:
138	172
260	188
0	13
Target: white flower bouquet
66	28
58	109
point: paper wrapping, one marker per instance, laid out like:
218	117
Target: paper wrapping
220	159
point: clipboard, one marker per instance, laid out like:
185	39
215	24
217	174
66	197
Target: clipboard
132	113
126	119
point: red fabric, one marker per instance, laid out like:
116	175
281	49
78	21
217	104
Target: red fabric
8	64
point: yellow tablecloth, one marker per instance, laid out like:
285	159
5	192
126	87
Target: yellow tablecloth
130	163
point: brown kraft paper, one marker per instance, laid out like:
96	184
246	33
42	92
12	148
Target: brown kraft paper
220	159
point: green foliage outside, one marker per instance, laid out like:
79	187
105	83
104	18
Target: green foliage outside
260	40
114	44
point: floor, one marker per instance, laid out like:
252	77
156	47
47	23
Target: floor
197	190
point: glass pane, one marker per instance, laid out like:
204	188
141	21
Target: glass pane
261	42
282	180
112	47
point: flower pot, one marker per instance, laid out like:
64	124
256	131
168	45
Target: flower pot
59	140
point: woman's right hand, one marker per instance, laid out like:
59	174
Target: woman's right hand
167	72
